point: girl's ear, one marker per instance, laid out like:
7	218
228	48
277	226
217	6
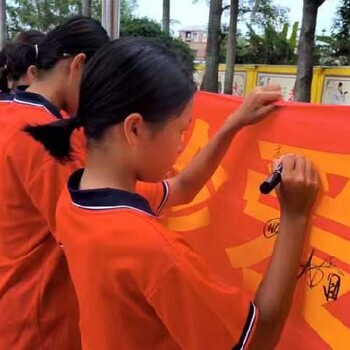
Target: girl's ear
31	73
133	128
77	64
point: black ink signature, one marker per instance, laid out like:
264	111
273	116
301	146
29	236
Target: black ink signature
277	152
271	228
315	274
332	291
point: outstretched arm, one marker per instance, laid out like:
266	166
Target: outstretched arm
255	107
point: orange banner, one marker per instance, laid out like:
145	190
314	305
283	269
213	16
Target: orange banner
234	227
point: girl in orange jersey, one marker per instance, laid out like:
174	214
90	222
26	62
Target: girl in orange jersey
37	302
21	60
17	63
138	285
4	88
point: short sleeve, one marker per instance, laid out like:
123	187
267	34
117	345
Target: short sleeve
155	193
199	311
38	174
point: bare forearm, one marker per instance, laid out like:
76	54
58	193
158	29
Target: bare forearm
204	164
275	294
255	107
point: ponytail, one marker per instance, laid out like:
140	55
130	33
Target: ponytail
4	74
55	137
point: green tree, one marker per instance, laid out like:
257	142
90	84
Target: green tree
262	13
44	15
323	53
131	26
210	78
86	7
149	28
270	47
267	46
2	22
231	47
127	8
306	50
265	17
341	33
166	16
96	9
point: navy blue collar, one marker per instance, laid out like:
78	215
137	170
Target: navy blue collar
30	98
105	198
6	97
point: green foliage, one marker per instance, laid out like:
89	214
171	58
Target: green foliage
149	28
341	32
127	8
335	49
130	26
266	14
266	41
44	15
293	40
270	47
96	9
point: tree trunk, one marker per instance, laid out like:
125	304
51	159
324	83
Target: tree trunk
2	23
255	7
80	8
166	16
306	50
231	48
86	9
210	79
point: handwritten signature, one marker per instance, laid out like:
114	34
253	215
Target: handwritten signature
331	292
315	274
271	228
278	152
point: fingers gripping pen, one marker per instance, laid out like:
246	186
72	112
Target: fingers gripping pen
272	181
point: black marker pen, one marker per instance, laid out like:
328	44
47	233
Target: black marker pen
272	181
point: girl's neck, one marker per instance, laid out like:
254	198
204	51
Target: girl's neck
47	90
99	173
20	82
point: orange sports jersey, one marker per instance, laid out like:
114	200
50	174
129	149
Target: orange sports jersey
37	301
38	305
6	100
139	285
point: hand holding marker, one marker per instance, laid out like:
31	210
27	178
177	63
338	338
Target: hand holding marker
272	181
